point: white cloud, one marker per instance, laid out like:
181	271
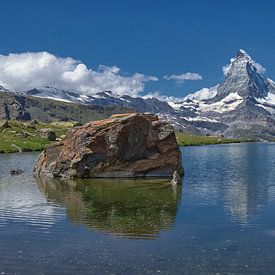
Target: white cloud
183	77
33	70
260	69
203	94
226	68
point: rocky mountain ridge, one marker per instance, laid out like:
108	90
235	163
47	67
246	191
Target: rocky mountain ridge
19	106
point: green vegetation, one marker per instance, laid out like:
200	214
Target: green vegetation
21	136
184	139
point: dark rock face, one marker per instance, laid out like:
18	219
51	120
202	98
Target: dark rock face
125	146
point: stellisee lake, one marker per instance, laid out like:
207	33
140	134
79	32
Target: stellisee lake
220	220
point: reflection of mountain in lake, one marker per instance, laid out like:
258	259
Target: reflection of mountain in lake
248	187
236	176
128	208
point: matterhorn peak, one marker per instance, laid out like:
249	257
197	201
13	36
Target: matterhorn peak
244	77
242	57
242	54
243	64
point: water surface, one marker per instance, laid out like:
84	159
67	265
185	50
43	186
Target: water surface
221	220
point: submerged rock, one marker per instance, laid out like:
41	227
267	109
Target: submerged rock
16	171
125	146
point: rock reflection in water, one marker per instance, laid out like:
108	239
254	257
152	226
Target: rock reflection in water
125	208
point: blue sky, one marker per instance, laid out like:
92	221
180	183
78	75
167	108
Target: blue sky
154	38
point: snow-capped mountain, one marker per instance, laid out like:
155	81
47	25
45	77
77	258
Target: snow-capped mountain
243	105
108	98
103	98
56	94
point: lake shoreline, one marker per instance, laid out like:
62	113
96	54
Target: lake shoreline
184	139
20	137
180	145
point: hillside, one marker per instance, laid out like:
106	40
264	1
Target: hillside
15	106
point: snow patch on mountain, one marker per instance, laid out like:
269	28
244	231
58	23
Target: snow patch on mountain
229	103
54	93
270	99
271	110
175	104
200	119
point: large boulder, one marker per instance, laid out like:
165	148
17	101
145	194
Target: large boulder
125	146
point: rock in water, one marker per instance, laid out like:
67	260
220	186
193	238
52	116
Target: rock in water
123	146
16	171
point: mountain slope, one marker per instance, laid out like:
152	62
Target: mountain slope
16	106
103	99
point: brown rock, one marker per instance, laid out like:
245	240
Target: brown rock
125	146
31	124
49	134
26	134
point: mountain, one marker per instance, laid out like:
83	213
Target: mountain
18	106
242	106
51	104
108	98
105	98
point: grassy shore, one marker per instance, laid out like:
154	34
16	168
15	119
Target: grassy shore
21	137
184	139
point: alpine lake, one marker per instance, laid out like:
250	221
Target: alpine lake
220	220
